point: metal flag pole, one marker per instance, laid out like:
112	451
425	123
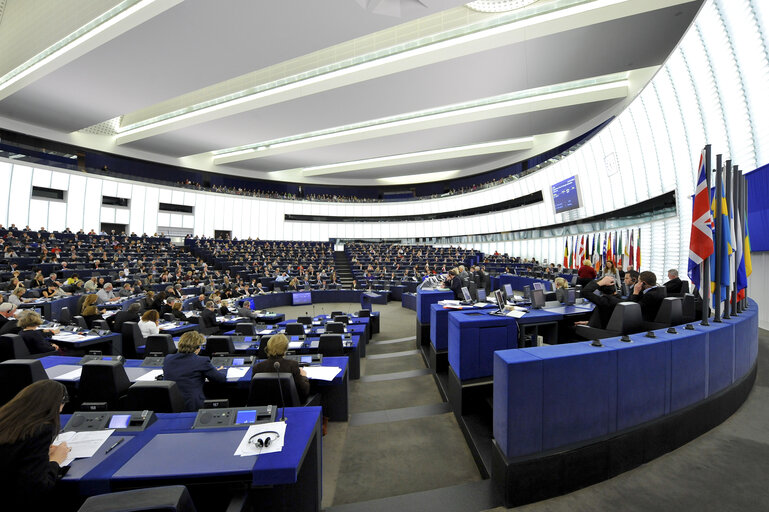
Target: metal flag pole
737	212
727	229
705	268
717	242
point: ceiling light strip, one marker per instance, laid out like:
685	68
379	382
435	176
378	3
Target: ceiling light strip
486	24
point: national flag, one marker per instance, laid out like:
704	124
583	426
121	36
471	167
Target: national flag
746	256
631	254
566	253
701	239
721	237
609	253
638	251
626	256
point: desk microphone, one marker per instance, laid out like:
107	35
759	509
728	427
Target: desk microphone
280	388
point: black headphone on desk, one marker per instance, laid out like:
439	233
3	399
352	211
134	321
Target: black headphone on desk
263	443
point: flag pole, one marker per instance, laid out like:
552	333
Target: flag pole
736	211
744	188
728	193
705	266
717	242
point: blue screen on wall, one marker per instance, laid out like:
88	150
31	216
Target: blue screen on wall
566	195
301	298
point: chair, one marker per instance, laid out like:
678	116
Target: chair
104	381
336	313
335	328
264	390
169	317
16	374
158	396
65	316
364	313
294	329
173	498
245	328
159	344
688	308
12	346
133	340
206	329
342	318
80	322
219	345
330	345
102	325
625	319
261	352
670	313
304	320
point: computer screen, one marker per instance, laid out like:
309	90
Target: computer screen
527	292
539	286
500	299
571	296
466	294
306	359
119	421
566	195
299	298
508	290
238	361
245	417
481	295
538	298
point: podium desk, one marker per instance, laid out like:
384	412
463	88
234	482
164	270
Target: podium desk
169	452
425	298
438	351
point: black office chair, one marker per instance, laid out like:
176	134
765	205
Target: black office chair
102	325
12	346
670	313
159	344
294	329
158	396
625	319
169	317
104	381
688	308
65	316
206	329
364	313
245	329
219	345
304	320
264	391
336	313
331	345
335	328
342	318
80	322
16	374
174	498
133	340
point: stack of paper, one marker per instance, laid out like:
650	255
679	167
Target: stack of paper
83	444
236	372
327	373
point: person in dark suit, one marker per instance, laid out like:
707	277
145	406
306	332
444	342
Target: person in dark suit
602	293
455	284
129	315
176	310
674	284
34	338
190	370
208	315
8	323
199	304
29	461
276	349
648	294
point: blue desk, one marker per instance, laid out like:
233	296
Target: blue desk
162	455
425	298
518	282
111	344
409	301
437	356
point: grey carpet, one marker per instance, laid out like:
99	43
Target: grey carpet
394	364
393	394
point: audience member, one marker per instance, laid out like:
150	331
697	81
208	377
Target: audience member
190	370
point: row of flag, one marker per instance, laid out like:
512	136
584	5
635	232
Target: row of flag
622	248
720	241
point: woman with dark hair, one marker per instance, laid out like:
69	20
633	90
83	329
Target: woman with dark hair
29	461
89	311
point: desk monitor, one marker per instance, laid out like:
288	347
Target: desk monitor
500	300
508	291
119	421
301	298
571	296
539	286
238	361
466	294
527	292
247	417
537	299
481	295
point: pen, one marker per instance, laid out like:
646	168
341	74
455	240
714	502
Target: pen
114	445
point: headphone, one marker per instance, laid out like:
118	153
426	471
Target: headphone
263	443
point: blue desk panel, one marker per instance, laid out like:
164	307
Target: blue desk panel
427	297
720	356
518	402
473	338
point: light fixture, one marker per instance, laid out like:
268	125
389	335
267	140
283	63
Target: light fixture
499	5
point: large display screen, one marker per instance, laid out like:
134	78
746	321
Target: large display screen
566	195
301	298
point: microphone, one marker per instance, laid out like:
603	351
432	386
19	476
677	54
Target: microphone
280	388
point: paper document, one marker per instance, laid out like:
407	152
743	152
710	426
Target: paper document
236	372
449	302
83	444
73	375
246	448
322	372
265	331
149	376
516	314
295	345
481	304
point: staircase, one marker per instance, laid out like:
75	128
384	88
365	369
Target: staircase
343	271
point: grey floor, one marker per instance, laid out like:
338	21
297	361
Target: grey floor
402	449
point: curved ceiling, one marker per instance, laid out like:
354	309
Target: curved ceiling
334	92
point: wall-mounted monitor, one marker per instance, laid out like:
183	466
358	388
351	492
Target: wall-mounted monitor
566	195
299	298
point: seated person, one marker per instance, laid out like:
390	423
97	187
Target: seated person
148	301
630	279
148	324
126	291
106	294
29	461
208	315
15	297
34	338
89	311
176	310
8	325
129	315
53	291
260	290
602	293
276	349
222	308
190	370
586	273
455	283
648	294
674	285
561	295
199	304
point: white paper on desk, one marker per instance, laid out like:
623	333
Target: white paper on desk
169	325
108	314
481	304
517	297
516	314
265	331
294	345
83	444
189	314
236	372
150	375
322	372
246	449
448	302
73	375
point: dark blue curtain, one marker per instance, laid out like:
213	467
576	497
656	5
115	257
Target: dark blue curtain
758	208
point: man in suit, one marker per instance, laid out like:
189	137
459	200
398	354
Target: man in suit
674	284
455	284
7	321
190	370
199	304
647	293
208	315
602	293
129	315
